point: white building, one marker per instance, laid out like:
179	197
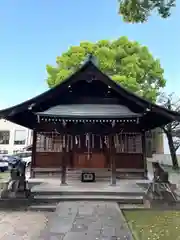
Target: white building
13	137
166	146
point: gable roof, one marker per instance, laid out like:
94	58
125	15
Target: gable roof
30	107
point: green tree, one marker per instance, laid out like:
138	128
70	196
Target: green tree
126	62
135	11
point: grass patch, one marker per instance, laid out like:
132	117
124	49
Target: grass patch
154	225
4	175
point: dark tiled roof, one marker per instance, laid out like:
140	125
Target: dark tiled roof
90	110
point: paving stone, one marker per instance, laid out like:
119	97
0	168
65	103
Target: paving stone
79	227
60	227
10	236
86	219
56	238
93	236
47	235
75	236
16	225
108	231
95	233
85	210
95	226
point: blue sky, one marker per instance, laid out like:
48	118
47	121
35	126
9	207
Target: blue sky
34	32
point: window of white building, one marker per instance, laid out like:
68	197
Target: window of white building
3	151
4	137
20	137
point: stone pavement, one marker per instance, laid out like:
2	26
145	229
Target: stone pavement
86	221
21	225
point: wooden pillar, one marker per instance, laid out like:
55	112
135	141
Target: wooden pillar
71	155
106	152
144	153
64	164
33	162
112	160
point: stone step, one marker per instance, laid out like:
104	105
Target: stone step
43	207
132	206
68	192
50	207
119	199
14	203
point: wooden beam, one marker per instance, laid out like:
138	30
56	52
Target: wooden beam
94	128
112	158
72	151
64	163
144	153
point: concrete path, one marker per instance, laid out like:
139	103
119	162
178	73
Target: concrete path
87	221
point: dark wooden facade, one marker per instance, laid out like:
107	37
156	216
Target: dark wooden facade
93	151
87	122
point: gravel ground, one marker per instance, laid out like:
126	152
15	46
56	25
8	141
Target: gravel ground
21	225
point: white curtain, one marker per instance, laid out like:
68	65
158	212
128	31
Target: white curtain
20	135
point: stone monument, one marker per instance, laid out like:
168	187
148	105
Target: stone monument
17	185
161	190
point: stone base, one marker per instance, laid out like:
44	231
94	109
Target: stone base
63	184
112	184
8	194
15	200
15	203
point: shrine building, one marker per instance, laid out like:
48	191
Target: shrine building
89	122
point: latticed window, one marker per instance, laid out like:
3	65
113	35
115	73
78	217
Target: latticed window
53	142
4	137
128	143
3	151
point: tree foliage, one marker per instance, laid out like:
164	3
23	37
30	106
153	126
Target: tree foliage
126	62
171	102
135	11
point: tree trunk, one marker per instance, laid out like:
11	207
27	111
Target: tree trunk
172	151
